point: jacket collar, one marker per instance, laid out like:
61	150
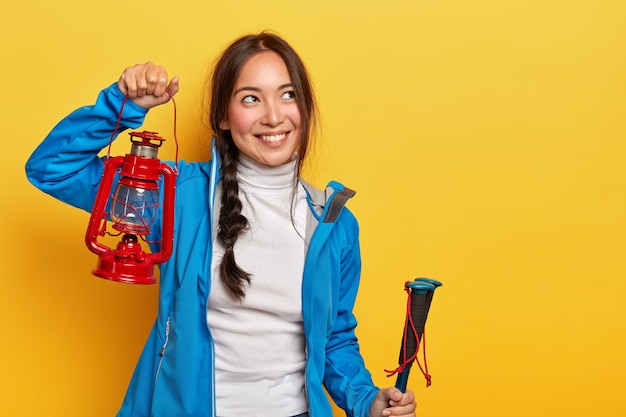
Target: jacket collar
325	205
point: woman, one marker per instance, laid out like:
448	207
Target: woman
255	307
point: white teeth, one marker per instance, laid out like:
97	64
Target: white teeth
273	138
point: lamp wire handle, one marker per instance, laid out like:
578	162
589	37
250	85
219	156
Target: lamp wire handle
119	121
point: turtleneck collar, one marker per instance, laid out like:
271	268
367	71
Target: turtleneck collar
252	174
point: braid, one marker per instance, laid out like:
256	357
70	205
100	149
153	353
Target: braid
231	222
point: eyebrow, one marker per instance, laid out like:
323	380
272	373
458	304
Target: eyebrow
258	90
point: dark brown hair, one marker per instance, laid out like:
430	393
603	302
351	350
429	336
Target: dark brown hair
223	81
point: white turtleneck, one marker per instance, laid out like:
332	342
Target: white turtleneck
259	342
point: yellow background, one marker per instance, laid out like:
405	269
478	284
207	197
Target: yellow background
485	138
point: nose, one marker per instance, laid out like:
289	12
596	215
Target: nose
273	114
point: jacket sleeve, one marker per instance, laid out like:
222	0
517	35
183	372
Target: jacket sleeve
66	164
346	378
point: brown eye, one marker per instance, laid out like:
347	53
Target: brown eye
250	99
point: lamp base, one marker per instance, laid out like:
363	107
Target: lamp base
129	273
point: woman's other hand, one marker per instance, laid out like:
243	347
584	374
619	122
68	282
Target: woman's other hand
392	402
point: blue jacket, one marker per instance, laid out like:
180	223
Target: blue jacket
174	375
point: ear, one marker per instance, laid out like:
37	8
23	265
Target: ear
225	124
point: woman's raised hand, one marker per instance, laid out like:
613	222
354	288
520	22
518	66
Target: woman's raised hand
146	85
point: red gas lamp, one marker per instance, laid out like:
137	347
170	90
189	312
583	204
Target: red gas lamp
133	209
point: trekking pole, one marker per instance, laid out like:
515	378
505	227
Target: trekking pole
420	294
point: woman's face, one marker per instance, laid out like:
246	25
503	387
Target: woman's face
263	116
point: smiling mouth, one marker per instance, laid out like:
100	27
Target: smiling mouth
272	138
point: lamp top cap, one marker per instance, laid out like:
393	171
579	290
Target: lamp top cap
146	138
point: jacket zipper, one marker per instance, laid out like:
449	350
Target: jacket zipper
162	351
214	400
167	337
212	193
